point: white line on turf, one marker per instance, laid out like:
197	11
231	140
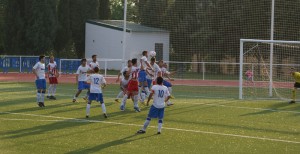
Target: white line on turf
240	107
65	119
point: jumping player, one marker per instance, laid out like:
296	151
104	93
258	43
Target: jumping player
94	63
142	73
123	85
161	94
166	74
40	82
132	90
81	78
296	76
125	69
52	74
97	81
152	75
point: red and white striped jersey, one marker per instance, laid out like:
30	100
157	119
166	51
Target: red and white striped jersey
134	72
52	67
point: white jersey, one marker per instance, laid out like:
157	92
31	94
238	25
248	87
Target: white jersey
82	72
155	72
94	64
96	81
40	70
124	83
52	67
123	70
144	60
164	71
134	72
161	92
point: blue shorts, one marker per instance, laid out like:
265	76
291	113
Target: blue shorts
167	84
149	81
156	112
96	97
40	84
83	85
142	76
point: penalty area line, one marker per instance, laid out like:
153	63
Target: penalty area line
65	119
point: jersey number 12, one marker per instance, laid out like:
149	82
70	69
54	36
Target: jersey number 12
96	80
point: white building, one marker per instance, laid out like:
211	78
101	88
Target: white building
105	37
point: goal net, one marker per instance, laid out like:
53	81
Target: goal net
265	68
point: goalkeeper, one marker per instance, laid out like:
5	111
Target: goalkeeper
296	76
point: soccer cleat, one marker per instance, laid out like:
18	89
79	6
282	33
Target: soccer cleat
158	133
117	100
122	108
74	101
169	104
40	104
292	102
52	97
141	132
137	109
87	116
105	115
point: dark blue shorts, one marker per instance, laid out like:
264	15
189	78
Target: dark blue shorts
156	112
40	84
142	76
149	81
96	97
167	84
83	85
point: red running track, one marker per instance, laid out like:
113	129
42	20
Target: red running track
70	78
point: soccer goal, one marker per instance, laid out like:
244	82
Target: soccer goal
265	68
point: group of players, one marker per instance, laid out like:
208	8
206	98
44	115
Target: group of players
136	82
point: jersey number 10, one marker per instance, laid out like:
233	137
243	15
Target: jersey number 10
161	93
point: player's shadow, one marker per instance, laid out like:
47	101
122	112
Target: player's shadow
32	109
278	107
100	147
41	129
16	101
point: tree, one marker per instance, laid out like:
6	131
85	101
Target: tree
14	27
104	10
41	26
81	11
3	5
63	39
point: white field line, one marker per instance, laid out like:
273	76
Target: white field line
63	119
239	107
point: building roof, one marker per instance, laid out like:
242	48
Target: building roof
130	26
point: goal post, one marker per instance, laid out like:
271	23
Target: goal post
270	70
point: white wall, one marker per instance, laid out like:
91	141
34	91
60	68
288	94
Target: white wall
139	42
107	43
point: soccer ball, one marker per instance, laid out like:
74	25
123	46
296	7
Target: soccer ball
152	53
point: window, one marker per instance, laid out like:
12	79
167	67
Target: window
159	47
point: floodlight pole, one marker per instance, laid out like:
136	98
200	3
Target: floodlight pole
271	49
124	32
